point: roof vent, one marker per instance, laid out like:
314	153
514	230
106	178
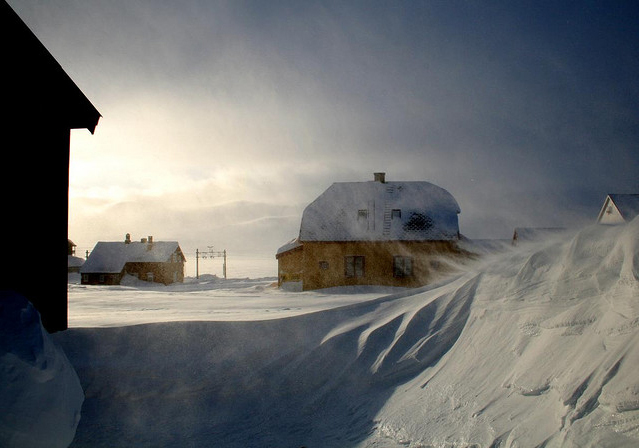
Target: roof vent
380	177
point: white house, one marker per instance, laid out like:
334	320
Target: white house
619	208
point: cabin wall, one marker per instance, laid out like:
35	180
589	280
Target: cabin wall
324	264
289	266
166	273
101	279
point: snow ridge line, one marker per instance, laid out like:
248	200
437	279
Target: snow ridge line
406	334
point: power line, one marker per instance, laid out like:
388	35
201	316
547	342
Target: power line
210	253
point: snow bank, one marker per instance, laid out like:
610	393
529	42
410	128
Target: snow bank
548	356
41	394
533	346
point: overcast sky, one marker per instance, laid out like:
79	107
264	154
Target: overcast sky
527	112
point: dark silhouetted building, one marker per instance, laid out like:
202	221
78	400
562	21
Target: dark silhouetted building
41	104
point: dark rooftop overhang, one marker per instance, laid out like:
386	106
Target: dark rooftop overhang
39	89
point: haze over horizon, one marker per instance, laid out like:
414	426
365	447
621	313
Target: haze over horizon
223	120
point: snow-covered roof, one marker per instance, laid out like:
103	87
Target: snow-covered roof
381	211
293	244
74	262
627	204
110	257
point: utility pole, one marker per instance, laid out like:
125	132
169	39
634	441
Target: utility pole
210	253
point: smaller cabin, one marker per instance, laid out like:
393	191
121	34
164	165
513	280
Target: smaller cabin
619	209
74	264
148	260
71	247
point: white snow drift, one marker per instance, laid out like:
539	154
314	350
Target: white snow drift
40	393
534	346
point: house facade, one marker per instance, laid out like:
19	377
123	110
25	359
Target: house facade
109	262
372	233
619	209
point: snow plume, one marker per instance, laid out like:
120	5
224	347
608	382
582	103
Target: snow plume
40	394
533	346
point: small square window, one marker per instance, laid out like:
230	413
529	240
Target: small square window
362	215
402	266
396	213
323	265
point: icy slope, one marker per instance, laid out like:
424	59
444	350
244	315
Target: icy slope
534	347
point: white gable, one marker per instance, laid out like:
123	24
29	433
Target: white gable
381	211
619	208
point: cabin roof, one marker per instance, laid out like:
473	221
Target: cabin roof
381	211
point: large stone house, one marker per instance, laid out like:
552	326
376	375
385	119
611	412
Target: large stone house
372	233
109	262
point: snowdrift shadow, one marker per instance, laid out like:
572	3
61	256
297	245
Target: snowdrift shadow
313	380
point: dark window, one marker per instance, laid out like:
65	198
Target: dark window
402	266
362	219
354	266
323	265
418	223
396	213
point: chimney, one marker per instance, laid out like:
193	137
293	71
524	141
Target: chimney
149	245
380	177
127	239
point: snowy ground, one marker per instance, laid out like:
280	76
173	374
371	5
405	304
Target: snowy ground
535	346
208	298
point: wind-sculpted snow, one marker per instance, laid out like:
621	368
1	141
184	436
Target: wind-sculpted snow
534	346
548	357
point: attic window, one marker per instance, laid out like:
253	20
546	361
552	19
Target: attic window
362	215
418	223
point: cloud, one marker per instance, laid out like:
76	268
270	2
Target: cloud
526	112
